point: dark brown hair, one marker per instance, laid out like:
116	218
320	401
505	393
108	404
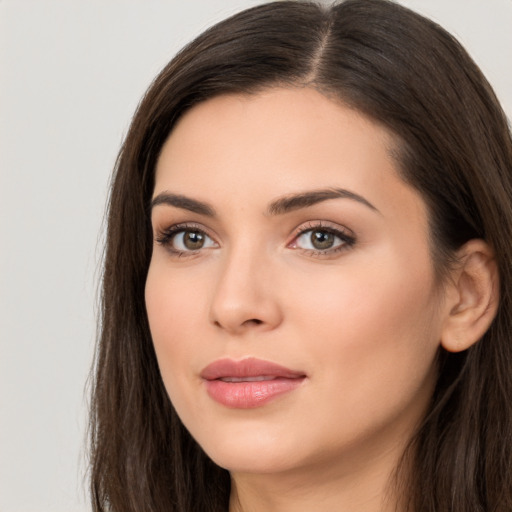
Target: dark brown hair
411	76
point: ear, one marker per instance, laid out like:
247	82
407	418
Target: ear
472	297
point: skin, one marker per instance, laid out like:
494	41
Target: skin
363	323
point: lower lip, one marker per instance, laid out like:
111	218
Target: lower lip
248	395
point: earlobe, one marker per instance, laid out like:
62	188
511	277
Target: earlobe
472	301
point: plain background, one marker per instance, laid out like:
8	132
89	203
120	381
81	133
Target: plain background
71	75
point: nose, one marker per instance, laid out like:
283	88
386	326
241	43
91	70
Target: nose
245	297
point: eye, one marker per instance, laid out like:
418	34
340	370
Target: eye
321	240
191	241
180	240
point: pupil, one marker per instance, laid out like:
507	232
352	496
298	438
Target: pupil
193	240
322	239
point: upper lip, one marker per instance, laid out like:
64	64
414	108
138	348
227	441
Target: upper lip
249	367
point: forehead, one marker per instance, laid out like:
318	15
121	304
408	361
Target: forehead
276	131
277	142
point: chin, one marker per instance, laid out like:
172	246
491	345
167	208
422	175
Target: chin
250	451
255	461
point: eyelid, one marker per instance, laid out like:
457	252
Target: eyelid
322	224
171	228
164	236
342	232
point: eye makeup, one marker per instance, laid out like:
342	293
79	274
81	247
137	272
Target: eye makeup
314	238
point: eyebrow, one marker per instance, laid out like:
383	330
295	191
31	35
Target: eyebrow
280	206
183	202
303	200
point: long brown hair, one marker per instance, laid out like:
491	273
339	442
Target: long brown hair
411	76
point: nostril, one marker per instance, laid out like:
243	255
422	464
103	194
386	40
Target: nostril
254	321
245	324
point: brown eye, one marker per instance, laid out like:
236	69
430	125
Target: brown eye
182	240
193	240
322	240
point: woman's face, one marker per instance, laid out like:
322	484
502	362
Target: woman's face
291	294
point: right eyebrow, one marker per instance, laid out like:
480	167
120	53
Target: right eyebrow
183	202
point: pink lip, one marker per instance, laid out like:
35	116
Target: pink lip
232	383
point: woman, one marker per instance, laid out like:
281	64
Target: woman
306	300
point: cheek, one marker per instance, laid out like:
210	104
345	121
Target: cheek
173	306
373	330
355	300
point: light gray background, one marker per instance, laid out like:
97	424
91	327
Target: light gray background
71	75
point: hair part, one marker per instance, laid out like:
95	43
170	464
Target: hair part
453	146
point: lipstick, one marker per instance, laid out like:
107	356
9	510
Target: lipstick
248	383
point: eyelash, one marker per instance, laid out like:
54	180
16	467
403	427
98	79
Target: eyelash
166	237
346	237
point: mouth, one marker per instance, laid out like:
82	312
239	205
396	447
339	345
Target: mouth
248	379
248	383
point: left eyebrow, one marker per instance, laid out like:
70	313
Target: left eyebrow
305	199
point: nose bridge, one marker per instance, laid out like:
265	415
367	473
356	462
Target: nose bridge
244	297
